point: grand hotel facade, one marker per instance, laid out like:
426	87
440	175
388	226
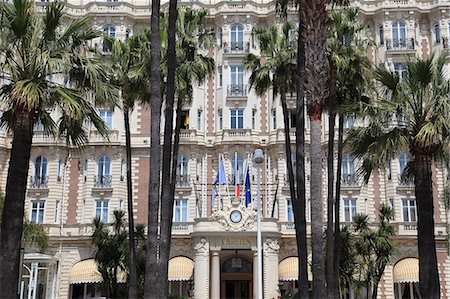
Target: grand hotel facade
213	255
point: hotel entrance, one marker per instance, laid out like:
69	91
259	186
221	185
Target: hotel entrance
237	278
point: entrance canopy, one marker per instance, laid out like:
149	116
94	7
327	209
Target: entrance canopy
406	271
180	268
288	269
85	272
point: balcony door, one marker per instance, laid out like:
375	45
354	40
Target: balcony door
399	34
237	37
236	80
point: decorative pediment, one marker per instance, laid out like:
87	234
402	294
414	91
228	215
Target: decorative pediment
235	217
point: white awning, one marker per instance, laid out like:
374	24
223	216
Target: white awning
288	269
180	268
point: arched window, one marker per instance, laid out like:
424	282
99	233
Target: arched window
399	34
182	170
237	37
110	31
103	178
381	35
40	172
237	169
437	33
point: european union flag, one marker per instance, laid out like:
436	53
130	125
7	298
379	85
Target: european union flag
248	192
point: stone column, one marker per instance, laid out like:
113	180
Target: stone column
255	275
215	276
201	275
270	264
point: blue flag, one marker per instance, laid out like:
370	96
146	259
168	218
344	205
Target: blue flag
248	192
219	180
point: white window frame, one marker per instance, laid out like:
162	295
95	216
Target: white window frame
237	35
219	76
381	34
104	165
349	120
399	34
274	118
199	119
180	210
60	171
403	160
38	207
107	116
237	168
220	119
409	210
254	111
57	211
437	33
289	210
101	210
350	208
238	115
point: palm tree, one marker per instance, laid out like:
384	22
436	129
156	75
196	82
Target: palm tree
111	252
151	278
276	68
37	53
412	115
192	66
125	56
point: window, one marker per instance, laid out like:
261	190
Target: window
185	120
85	169
103	178
237	169
350	210
348	170
219	37
237	37
253	38
180	210
437	34
399	34
401	70
237	87
122	170
101	209
289	210
182	170
409	210
349	121
57	211
381	35
106	116
292	118
199	120
219	76
38	126
40	167
237	118
59	170
219	119
37	211
403	160
254	119
274	119
110	31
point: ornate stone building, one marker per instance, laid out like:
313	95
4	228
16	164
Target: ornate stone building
214	247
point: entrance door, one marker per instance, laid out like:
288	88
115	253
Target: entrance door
237	289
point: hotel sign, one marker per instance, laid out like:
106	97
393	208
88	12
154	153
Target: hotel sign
235	243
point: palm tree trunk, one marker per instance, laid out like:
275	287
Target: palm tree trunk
428	273
168	157
330	275
315	33
299	206
151	276
13	210
337	228
132	284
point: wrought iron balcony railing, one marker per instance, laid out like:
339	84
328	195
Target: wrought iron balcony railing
102	181
400	44
39	182
236	47
405	181
237	90
349	179
182	180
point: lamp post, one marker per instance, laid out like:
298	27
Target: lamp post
258	158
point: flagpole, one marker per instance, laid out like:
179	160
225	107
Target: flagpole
218	190
226	181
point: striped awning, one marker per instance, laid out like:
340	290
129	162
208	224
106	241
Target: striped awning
288	269
406	270
180	268
85	272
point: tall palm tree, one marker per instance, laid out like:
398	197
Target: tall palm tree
151	278
111	252
45	67
411	115
125	56
191	67
276	68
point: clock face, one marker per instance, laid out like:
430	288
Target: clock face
235	216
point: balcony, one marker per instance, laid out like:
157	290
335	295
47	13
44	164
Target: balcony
400	44
102	181
237	92
236	48
39	182
182	181
237	136
349	180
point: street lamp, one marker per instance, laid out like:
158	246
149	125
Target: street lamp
258	158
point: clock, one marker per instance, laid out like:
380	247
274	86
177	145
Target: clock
235	216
